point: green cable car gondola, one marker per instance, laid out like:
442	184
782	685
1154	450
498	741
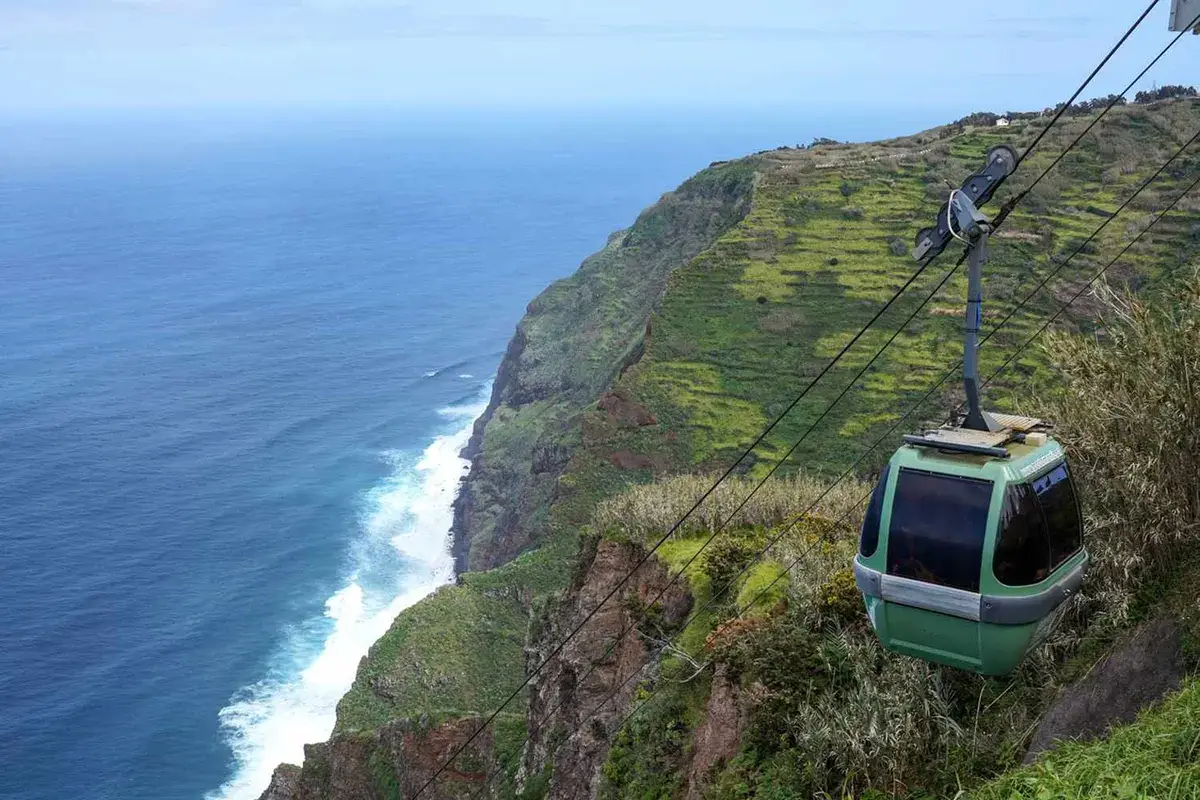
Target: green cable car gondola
965	557
973	537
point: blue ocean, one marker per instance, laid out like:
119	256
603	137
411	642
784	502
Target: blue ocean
239	356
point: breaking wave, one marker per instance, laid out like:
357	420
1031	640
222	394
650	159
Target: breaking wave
401	555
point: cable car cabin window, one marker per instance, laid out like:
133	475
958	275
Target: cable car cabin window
937	528
1022	555
1039	529
1056	494
870	529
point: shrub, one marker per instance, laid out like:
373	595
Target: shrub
849	716
728	554
839	597
645	756
984	118
799	208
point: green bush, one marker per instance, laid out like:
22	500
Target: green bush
647	755
725	558
839	597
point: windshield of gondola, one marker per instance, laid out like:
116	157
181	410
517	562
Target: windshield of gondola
937	528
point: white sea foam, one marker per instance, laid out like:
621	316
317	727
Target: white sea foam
402	555
466	375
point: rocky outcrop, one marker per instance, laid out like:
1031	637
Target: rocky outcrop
1146	667
395	761
569	697
618	409
572	342
718	736
285	783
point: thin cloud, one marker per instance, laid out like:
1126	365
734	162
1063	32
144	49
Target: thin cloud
313	21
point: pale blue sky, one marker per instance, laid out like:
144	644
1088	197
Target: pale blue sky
559	54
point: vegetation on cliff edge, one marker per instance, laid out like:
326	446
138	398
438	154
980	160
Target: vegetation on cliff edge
834	715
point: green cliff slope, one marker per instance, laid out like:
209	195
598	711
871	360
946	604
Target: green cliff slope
1157	757
574	339
747	323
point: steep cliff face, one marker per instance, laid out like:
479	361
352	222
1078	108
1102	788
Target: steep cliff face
585	693
718	736
569	691
397	760
574	339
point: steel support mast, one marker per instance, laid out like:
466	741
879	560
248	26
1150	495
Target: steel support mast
961	219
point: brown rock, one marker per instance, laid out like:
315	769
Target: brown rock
718	736
619	409
401	756
420	753
568	691
623	459
284	783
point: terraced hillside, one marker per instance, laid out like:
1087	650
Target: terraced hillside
751	320
667	354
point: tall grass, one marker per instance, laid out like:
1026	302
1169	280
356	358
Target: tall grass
1130	417
649	510
1158	757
